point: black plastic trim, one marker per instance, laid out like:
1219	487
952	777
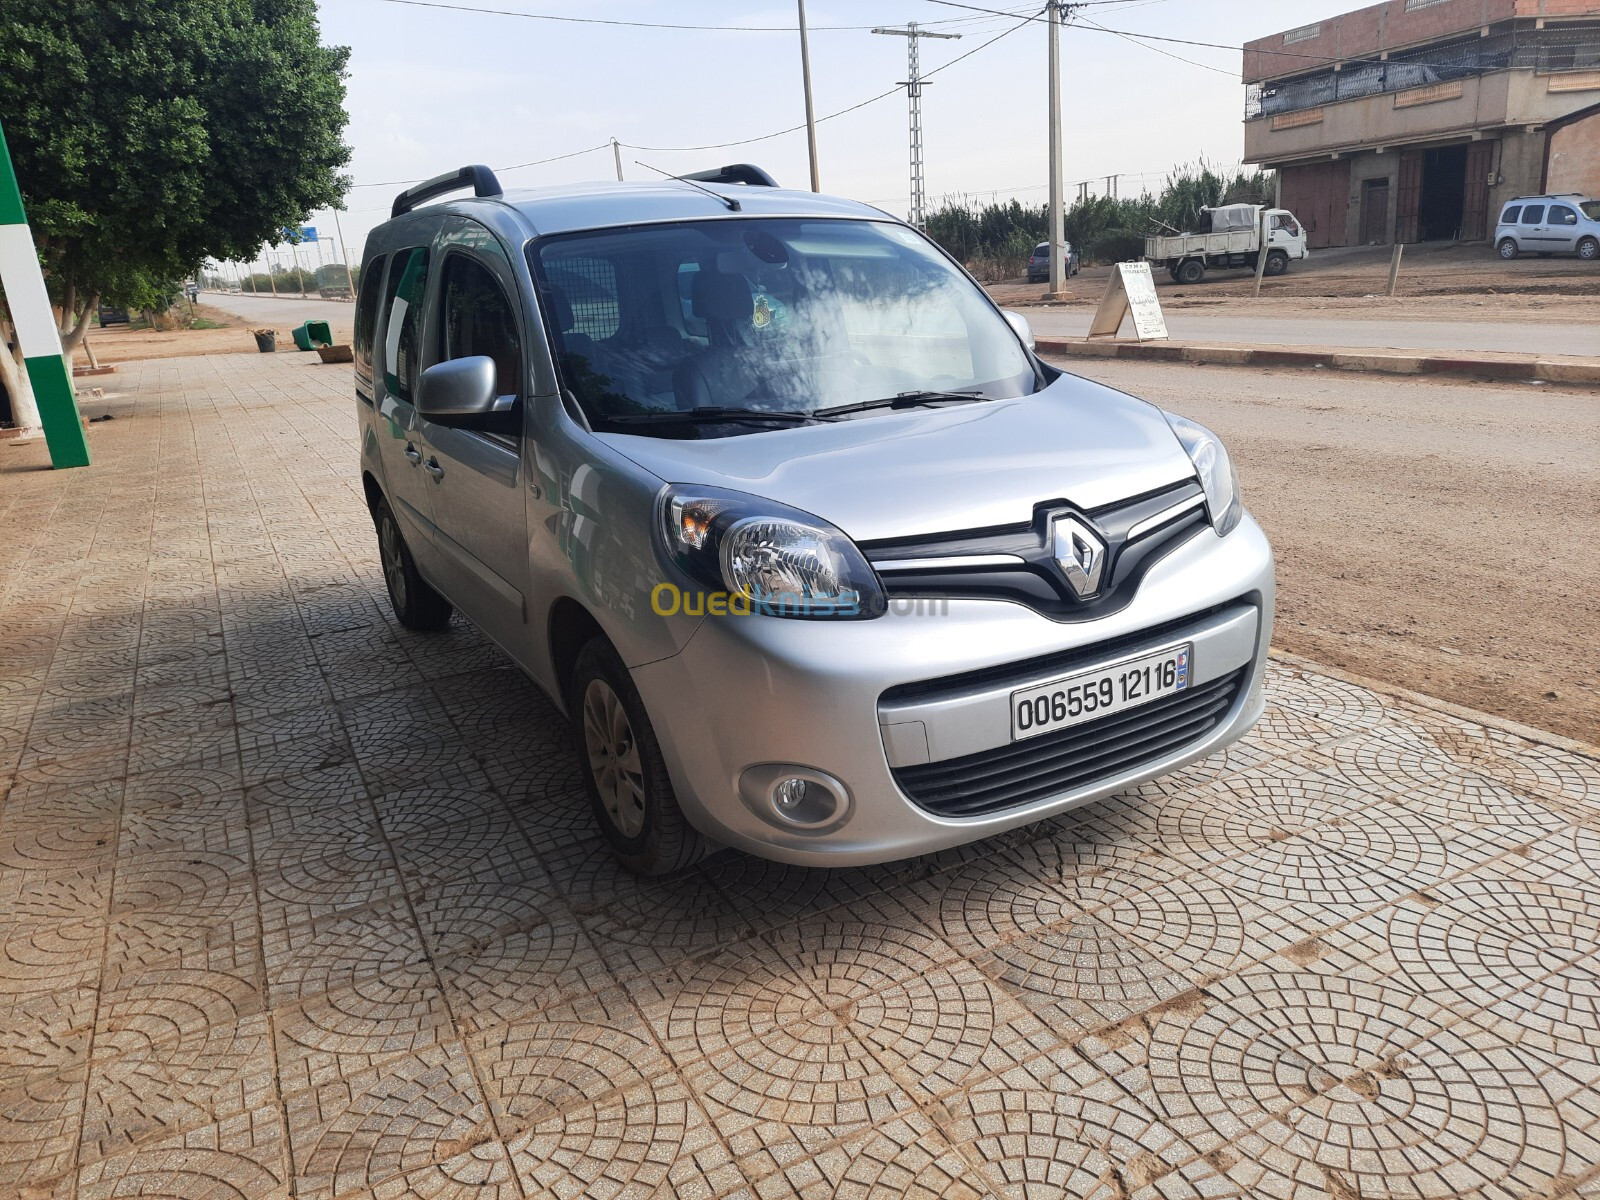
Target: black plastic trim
478	177
1033	769
746	173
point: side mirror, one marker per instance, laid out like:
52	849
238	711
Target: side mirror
462	387
1016	320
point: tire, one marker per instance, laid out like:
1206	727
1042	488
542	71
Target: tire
1589	249
1190	271
623	769
1277	262
416	604
1507	248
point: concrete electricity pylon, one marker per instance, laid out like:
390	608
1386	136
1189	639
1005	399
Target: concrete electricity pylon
913	83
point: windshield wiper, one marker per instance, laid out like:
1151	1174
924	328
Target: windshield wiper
712	413
901	400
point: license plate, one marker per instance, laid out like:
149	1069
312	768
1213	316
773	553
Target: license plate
1099	692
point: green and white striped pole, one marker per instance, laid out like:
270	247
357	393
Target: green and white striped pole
23	284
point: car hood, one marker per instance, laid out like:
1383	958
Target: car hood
908	472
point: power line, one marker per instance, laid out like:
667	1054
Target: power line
618	22
538	162
841	112
1133	39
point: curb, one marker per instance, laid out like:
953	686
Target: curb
1528	733
1583	371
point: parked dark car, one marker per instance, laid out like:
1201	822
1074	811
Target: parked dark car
112	316
1039	262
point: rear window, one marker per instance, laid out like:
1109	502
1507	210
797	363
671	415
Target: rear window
367	314
1509	217
1533	214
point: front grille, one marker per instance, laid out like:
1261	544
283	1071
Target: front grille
1033	577
1020	772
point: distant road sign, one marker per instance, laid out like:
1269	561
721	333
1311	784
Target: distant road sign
306	233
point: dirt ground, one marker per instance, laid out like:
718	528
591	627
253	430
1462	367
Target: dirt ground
1445	282
119	344
1438	535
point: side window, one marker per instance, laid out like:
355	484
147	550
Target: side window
367	314
1560	214
1533	214
477	318
402	342
1509	217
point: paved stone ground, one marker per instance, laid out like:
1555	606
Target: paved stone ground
293	902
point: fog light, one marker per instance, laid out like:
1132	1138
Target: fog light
790	794
795	798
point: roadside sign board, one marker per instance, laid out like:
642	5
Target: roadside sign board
22	284
1131	291
306	233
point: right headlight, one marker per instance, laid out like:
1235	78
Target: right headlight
783	562
1215	469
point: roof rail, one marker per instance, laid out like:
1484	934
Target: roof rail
478	177
745	173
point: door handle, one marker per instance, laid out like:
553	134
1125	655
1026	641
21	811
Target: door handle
433	468
413	454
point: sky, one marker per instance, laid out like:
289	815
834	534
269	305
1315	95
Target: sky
431	89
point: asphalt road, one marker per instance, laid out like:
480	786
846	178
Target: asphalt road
284	310
1439	535
1545	338
1535	337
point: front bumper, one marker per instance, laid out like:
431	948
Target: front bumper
757	690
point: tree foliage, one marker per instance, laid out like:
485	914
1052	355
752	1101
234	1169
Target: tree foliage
996	239
150	135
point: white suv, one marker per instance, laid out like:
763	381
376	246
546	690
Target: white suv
1568	224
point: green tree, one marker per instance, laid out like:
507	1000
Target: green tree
150	135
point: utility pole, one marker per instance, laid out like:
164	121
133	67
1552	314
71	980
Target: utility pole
1057	266
344	253
913	85
616	153
811	117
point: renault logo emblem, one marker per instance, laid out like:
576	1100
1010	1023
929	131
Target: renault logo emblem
1079	553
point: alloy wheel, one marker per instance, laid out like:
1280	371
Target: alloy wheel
394	567
613	758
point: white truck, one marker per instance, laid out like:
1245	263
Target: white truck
1232	239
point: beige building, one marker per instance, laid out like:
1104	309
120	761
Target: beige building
1417	119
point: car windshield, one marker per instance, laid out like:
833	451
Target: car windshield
777	315
1591	209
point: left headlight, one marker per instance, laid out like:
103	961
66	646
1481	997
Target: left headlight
784	562
1215	469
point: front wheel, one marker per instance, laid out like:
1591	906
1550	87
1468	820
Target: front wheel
623	769
1190	271
415	603
1589	249
1277	262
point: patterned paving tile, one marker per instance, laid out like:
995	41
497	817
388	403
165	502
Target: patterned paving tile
296	902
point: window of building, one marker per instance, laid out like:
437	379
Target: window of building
1533	214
